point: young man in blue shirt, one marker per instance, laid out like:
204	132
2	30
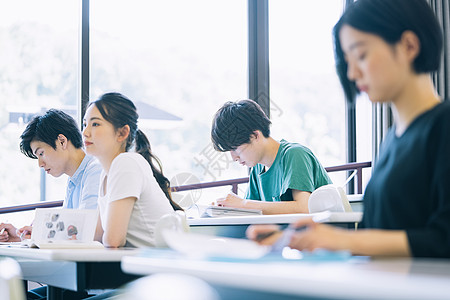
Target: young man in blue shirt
55	141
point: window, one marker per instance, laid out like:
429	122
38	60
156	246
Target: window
307	102
38	59
364	133
179	64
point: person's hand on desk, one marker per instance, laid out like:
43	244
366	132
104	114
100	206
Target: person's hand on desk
231	200
315	236
371	242
24	233
8	233
319	236
264	234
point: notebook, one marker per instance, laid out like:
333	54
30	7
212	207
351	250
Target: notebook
57	228
220	211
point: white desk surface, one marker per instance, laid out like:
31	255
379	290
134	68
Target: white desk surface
355	197
78	255
349	217
358	278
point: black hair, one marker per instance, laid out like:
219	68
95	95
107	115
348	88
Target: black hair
120	111
235	122
46	128
389	19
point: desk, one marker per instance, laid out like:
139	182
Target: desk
72	269
356	278
236	226
356	202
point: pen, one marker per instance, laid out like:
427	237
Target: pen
286	237
1	231
264	235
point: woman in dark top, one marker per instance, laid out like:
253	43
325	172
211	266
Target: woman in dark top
387	49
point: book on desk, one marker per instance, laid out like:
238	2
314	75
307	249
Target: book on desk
220	211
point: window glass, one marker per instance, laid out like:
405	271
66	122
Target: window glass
38	59
179	61
307	102
364	134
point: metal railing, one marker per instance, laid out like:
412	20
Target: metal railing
30	206
351	167
233	182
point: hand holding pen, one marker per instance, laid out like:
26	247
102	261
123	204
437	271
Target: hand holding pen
264	234
8	233
272	235
3	236
231	200
25	232
278	239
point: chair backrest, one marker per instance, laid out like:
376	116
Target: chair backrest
173	221
329	197
11	285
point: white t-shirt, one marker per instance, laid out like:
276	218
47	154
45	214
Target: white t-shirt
130	175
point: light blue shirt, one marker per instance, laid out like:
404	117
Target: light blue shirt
82	187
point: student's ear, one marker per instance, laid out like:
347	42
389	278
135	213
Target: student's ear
256	134
63	141
411	44
123	133
255	137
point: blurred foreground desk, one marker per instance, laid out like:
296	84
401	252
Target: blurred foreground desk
72	269
353	278
236	226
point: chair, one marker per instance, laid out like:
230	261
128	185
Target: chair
173	221
11	284
329	197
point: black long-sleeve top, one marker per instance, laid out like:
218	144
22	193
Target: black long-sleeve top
410	185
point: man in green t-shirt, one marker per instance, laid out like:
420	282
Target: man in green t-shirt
283	175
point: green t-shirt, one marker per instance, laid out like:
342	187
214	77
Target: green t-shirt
295	167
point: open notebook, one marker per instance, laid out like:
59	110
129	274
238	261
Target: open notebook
63	228
220	211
